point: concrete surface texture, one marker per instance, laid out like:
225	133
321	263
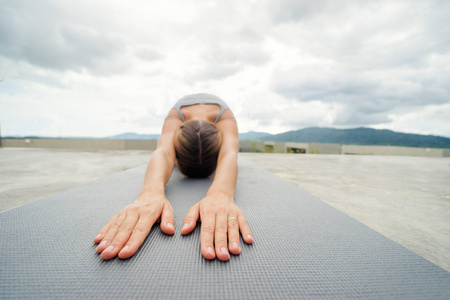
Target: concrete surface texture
404	198
29	174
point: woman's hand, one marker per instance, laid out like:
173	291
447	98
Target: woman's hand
221	222
126	231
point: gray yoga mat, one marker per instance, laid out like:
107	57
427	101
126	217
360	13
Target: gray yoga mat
303	249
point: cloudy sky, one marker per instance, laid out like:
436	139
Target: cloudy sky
100	68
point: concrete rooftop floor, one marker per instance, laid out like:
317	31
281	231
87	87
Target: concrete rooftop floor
406	199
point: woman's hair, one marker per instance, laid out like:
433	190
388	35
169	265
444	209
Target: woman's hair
197	144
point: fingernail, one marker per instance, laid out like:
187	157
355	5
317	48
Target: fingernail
170	226
109	249
125	249
103	243
185	226
249	237
235	245
224	251
210	251
98	236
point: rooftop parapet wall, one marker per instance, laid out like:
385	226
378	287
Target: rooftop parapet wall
394	151
82	144
320	148
274	147
251	146
244	146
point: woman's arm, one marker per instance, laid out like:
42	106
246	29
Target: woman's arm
162	161
126	231
221	217
226	172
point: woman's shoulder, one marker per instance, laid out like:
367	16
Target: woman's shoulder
227	115
172	121
227	123
173	114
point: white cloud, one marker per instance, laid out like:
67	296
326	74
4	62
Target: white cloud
433	120
106	67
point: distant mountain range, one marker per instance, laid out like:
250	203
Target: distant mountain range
359	136
253	135
356	136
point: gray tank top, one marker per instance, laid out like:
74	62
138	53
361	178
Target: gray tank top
200	99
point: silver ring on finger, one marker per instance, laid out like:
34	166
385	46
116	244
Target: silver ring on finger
230	219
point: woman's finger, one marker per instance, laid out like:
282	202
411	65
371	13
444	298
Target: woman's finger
147	218
245	230
123	234
113	229
167	220
101	234
207	233
191	219
220	235
233	235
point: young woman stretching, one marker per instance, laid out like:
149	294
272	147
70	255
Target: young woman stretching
200	135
